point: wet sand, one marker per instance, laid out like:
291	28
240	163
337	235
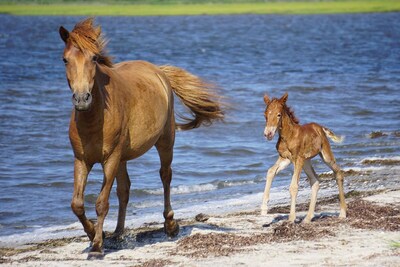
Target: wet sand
370	235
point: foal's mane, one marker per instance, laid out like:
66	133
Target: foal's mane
87	37
289	111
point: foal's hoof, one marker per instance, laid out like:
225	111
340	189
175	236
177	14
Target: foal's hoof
342	215
264	212
95	256
171	228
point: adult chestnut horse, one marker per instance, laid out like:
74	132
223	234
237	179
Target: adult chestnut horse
120	112
299	144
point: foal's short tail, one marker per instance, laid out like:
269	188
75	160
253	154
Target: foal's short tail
335	138
198	96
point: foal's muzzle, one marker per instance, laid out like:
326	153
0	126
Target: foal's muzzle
269	133
82	101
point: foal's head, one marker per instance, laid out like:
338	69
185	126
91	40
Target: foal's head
274	112
84	49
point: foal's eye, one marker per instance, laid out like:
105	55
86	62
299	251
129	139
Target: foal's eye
65	60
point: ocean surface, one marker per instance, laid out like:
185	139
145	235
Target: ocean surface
342	71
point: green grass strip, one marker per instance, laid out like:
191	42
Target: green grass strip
366	6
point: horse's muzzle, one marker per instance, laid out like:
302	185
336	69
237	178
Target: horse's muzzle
82	101
269	133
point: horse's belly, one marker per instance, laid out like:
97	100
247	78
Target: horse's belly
139	146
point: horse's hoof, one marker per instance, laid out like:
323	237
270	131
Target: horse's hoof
342	216
264	212
171	228
95	255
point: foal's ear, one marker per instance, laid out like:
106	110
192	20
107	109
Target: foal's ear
266	100
284	98
64	34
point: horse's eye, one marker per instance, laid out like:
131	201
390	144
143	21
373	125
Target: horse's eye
65	60
95	58
279	115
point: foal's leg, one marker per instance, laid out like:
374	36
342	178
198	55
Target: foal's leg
294	187
329	159
81	171
165	151
123	189
110	168
279	165
314	182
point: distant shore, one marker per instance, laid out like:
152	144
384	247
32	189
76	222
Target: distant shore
116	9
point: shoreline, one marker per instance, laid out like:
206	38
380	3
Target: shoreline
281	8
369	232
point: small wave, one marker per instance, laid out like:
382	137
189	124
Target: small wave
379	134
189	189
347	172
224	184
381	161
181	189
356	171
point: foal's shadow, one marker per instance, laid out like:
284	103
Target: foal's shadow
299	219
135	238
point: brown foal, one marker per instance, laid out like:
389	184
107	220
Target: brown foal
120	112
299	144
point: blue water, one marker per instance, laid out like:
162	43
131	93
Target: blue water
342	71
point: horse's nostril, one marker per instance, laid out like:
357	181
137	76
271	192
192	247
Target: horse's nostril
87	96
75	98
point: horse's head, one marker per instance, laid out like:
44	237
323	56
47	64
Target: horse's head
83	51
273	114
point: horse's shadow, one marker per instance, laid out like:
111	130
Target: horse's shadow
135	238
299	219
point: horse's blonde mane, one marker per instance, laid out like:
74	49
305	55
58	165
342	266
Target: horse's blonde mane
89	38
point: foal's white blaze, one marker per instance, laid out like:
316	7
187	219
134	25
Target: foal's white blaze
269	132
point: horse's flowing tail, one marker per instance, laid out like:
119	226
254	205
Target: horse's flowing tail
335	138
198	96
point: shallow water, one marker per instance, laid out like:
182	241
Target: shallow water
342	71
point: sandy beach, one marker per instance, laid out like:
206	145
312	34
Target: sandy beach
369	236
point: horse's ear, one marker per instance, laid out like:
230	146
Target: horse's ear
266	99
98	31
64	34
284	98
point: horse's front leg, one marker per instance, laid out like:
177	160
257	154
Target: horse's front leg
294	187
81	171
280	164
110	168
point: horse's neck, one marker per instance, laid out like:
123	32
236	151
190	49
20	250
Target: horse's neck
287	128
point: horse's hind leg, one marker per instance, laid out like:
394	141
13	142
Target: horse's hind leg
329	159
165	150
314	182
123	189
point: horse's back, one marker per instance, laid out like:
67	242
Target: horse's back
147	103
137	69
